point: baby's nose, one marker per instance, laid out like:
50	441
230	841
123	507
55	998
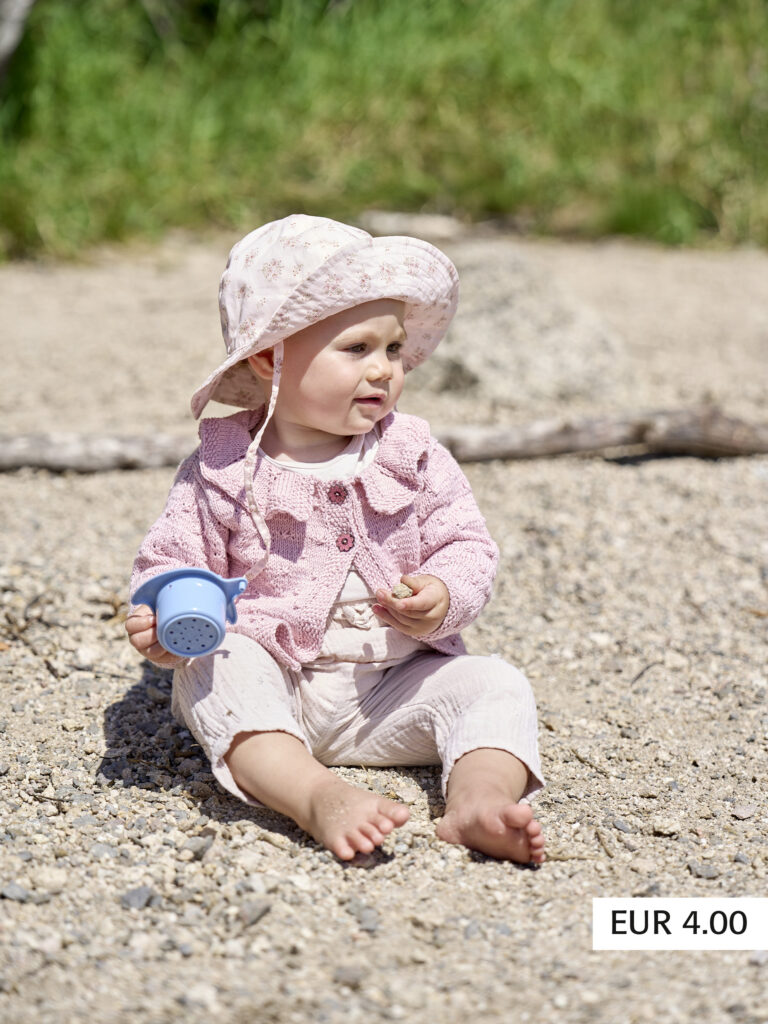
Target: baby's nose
379	369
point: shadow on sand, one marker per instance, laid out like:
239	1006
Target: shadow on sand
147	748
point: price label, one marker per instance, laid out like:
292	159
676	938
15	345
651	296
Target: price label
685	922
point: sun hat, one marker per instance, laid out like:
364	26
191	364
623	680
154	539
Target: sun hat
291	273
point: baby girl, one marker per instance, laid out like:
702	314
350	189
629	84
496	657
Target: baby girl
326	499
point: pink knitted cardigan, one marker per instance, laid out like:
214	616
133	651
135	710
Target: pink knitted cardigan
410	511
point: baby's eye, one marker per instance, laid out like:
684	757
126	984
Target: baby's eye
395	347
360	347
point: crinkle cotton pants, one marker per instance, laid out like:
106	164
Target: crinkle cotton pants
373	696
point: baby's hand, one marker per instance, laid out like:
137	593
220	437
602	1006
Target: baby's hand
419	614
140	626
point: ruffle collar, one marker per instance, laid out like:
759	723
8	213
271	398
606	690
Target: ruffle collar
391	482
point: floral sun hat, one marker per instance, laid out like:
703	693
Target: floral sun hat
290	274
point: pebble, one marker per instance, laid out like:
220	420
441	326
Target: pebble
665	826
743	811
52	880
401	591
350	975
14	891
138	898
252	911
703	870
622	825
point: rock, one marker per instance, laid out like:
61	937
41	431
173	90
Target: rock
252	911
367	917
52	880
199	845
743	811
138	898
622	825
350	975
759	958
703	870
85	657
16	892
741	858
436	227
401	590
665	827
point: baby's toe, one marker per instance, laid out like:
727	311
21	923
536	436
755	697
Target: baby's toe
373	833
397	813
517	815
360	841
383	824
342	848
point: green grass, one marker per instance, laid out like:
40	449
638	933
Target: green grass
579	116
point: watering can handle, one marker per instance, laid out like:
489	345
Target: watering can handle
235	589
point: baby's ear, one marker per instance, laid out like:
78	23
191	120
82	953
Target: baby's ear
263	363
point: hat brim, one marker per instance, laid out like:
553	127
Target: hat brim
394	267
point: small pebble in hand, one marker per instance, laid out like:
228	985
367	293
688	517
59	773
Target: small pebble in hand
401	590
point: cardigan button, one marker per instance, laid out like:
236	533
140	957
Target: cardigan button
337	494
345	542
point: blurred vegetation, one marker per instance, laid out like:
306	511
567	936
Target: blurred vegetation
121	118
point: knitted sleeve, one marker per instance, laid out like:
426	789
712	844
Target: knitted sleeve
187	533
455	543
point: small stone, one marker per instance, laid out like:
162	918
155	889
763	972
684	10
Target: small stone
252	911
4	768
138	898
100	850
367	917
743	811
156	695
52	880
16	892
759	958
741	858
200	789
703	870
85	657
622	825
199	845
665	827
349	975
401	591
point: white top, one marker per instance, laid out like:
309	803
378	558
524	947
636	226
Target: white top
348	464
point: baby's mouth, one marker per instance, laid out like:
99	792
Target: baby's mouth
372	400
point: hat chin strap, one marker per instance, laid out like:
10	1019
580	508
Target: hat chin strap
249	467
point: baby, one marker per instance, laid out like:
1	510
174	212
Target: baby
326	498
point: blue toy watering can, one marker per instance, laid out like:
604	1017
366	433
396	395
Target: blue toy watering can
192	607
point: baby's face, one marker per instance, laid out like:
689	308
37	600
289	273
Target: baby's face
344	373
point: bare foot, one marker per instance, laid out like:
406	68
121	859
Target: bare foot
482	809
277	769
348	820
496	826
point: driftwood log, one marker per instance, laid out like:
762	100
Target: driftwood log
704	432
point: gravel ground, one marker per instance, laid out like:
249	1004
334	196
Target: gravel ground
634	594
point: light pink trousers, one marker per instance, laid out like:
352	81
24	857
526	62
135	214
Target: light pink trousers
373	696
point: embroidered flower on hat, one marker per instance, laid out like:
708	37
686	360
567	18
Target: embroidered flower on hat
272	269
